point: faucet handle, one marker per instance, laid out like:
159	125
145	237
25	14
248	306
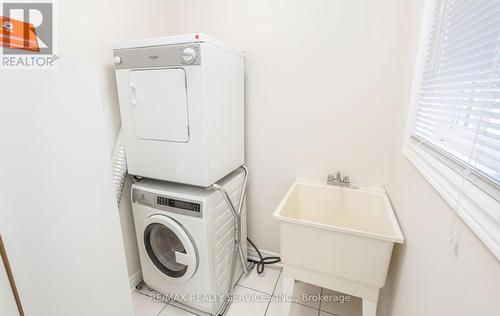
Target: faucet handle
346	179
330	179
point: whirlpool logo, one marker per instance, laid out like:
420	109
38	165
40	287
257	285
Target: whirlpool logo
27	34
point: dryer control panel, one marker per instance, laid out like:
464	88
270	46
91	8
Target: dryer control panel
158	56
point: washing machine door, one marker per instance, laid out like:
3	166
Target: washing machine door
170	248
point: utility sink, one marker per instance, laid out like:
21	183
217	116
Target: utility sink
339	238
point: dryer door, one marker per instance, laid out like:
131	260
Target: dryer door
170	248
159	104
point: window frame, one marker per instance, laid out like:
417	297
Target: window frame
476	206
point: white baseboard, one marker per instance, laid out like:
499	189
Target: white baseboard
135	278
252	254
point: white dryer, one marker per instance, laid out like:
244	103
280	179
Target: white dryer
186	238
181	103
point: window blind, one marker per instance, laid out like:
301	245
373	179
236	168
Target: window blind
457	112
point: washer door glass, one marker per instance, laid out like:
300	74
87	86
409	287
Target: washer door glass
165	249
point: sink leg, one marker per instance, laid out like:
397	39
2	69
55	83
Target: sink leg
369	308
287	286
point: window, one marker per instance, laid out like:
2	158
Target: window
453	132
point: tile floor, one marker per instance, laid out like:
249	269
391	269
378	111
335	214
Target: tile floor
268	288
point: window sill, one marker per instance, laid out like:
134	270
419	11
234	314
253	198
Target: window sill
478	210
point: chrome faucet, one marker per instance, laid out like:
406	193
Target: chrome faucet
338	180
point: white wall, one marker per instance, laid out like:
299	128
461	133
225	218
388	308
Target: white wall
87	29
320	80
429	276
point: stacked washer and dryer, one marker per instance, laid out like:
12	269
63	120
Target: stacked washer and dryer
182	108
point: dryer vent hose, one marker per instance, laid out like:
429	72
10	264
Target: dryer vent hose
119	165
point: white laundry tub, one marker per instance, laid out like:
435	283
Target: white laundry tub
338	238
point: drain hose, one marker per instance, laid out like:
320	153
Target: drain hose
119	166
262	260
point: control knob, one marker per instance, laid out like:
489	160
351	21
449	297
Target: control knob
188	55
117	60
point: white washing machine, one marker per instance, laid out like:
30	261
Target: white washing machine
186	238
181	103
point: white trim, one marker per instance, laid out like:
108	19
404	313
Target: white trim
472	208
418	71
472	205
135	279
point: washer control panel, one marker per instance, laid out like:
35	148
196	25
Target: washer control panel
168	203
183	205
